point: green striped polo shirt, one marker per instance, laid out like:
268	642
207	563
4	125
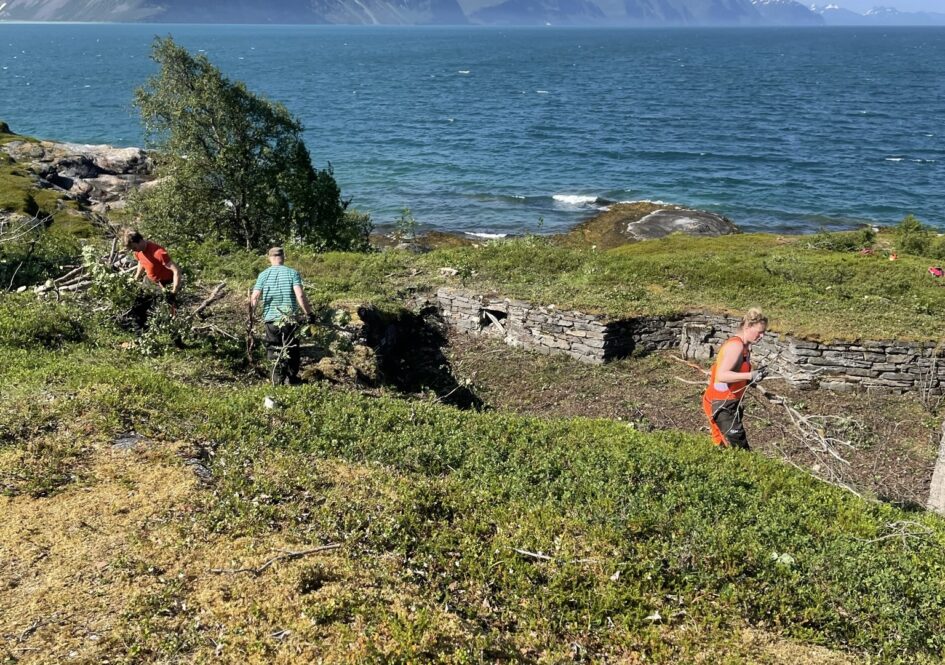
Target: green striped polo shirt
278	298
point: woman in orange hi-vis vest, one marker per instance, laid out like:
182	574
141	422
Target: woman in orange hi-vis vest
730	376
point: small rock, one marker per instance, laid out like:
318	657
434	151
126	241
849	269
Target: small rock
449	272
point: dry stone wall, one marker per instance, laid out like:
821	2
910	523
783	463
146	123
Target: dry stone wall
875	366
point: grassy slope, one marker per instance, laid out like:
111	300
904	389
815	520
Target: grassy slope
808	292
430	505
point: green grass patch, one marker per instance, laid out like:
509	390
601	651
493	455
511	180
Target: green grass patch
815	293
623	524
807	291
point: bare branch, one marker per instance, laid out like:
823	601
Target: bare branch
285	555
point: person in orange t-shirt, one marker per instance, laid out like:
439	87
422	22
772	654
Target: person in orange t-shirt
156	263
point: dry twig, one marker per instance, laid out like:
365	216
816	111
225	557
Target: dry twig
285	555
214	296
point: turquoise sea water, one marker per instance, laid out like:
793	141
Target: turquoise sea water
489	129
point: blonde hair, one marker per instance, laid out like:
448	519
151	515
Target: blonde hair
754	316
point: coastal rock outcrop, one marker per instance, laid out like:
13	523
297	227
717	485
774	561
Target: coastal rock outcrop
644	220
95	175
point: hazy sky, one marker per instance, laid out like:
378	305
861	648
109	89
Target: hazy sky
902	5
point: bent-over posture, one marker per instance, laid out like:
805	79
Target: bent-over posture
155	262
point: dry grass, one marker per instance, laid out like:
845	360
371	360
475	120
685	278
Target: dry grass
118	569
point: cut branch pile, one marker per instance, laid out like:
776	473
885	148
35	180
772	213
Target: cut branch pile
78	279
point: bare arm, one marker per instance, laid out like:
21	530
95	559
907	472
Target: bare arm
730	359
302	299
254	299
138	272
173	267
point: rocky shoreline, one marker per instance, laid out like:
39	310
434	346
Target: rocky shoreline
100	179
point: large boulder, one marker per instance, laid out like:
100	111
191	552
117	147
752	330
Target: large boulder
662	222
623	223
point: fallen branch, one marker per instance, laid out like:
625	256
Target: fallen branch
250	336
904	530
74	287
217	329
215	295
69	275
534	555
284	556
111	251
688	364
811	430
495	321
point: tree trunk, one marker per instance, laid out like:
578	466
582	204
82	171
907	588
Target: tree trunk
937	491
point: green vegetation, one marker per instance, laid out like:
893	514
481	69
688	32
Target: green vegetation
462	537
235	164
510	537
817	293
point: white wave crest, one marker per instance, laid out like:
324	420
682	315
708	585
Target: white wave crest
574	199
489	236
657	202
894	159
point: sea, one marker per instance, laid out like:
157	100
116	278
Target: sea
494	131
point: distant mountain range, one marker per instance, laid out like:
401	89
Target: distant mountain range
454	12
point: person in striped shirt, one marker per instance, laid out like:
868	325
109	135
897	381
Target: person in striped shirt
280	288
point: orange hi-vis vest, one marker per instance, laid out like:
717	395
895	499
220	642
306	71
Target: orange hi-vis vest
723	392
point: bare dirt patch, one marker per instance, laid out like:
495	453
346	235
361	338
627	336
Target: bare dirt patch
894	438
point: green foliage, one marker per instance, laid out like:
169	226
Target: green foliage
914	237
843	241
625	524
405	227
235	165
28	322
34	257
117	292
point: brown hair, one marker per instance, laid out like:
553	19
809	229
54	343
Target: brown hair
130	237
753	317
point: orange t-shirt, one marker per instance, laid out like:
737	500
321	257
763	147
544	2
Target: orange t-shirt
154	259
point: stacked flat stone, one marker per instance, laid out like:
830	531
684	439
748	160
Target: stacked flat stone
875	366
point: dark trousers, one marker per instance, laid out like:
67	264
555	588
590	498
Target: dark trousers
728	418
284	350
145	302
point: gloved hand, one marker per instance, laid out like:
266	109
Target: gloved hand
759	374
310	319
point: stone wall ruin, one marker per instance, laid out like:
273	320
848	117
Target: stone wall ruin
884	366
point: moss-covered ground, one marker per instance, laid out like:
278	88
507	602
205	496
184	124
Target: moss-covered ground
20	194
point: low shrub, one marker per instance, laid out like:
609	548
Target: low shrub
914	237
843	241
27	321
